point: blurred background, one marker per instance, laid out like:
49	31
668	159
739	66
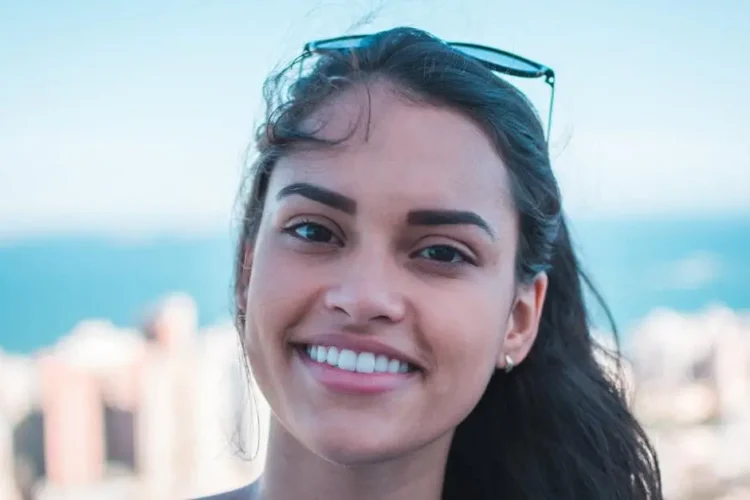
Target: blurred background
123	132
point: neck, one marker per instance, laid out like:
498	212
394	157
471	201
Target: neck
293	471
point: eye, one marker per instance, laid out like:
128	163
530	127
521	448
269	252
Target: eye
312	232
444	254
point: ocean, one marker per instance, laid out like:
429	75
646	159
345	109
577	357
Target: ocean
49	284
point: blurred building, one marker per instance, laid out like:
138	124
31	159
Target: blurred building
169	412
117	413
693	394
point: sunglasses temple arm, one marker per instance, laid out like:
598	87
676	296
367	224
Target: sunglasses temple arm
551	82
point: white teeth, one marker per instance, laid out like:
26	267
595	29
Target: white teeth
364	362
381	363
333	356
347	360
393	366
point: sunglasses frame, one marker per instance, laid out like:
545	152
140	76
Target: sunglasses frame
541	71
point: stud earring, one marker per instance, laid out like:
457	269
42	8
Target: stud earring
509	364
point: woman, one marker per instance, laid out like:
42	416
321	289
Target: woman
408	297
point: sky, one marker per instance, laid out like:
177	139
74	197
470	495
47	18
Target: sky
129	118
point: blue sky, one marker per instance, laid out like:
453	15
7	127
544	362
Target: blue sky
132	117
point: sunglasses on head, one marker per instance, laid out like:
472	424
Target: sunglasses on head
494	59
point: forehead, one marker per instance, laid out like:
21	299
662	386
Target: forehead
398	151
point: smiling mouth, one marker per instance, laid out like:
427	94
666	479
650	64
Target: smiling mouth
355	361
351	373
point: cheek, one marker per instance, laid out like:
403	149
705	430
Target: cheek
465	333
278	297
278	291
275	298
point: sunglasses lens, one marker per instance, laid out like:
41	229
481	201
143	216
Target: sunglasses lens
342	44
499	59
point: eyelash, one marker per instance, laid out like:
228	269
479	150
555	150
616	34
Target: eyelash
464	258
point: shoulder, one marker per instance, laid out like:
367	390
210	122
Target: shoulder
247	492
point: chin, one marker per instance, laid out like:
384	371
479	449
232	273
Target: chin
352	446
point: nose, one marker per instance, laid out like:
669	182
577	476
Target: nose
366	292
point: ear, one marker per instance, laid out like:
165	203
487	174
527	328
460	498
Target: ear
523	322
243	280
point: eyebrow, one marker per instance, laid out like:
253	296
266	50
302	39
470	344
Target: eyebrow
426	217
320	195
447	217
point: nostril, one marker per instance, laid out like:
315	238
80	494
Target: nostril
365	301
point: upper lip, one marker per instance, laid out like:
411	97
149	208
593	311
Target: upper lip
359	343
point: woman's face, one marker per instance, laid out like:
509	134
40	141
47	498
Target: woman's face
382	289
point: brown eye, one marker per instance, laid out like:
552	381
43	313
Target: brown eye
312	232
444	254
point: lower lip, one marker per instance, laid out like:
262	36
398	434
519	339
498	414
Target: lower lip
342	381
